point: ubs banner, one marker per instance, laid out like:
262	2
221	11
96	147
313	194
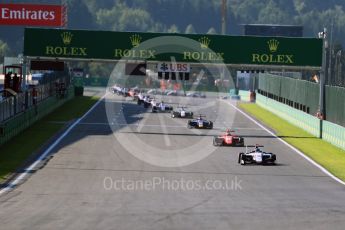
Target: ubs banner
31	15
249	50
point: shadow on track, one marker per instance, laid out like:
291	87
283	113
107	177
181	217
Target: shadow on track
270	136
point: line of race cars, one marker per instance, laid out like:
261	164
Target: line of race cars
253	156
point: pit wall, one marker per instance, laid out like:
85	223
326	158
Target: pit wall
17	124
332	133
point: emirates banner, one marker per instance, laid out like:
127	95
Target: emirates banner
31	15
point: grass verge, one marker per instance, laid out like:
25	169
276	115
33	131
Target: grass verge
322	152
15	153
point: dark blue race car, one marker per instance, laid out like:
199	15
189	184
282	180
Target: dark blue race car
200	123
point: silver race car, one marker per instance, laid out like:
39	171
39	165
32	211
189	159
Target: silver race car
200	123
256	156
161	107
181	112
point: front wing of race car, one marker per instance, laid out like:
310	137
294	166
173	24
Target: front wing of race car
181	114
156	109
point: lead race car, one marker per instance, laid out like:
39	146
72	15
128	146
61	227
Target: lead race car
200	123
228	139
256	156
181	112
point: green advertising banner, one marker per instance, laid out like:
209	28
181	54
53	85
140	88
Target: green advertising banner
195	48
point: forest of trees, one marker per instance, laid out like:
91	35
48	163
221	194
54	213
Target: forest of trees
191	16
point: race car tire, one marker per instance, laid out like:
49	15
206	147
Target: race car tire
239	144
189	126
240	159
215	143
218	142
274	159
211	125
242	143
173	115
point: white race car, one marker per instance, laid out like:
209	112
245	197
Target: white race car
161	107
256	156
181	113
147	101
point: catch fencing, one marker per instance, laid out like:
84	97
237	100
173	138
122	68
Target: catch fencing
14	105
23	120
296	101
304	96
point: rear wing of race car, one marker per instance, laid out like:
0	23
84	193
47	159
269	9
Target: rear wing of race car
253	146
229	130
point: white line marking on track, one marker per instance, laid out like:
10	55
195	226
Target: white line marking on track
165	131
141	123
159	125
31	167
291	147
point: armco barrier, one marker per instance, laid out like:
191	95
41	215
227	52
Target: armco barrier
296	117
305	95
17	124
244	94
332	133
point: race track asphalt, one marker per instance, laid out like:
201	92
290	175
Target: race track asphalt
92	181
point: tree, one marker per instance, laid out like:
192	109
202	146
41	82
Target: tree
203	15
134	20
4	49
79	16
212	30
123	18
100	69
300	6
247	11
173	29
108	18
272	14
189	29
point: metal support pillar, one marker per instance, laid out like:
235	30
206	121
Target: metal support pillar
322	112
